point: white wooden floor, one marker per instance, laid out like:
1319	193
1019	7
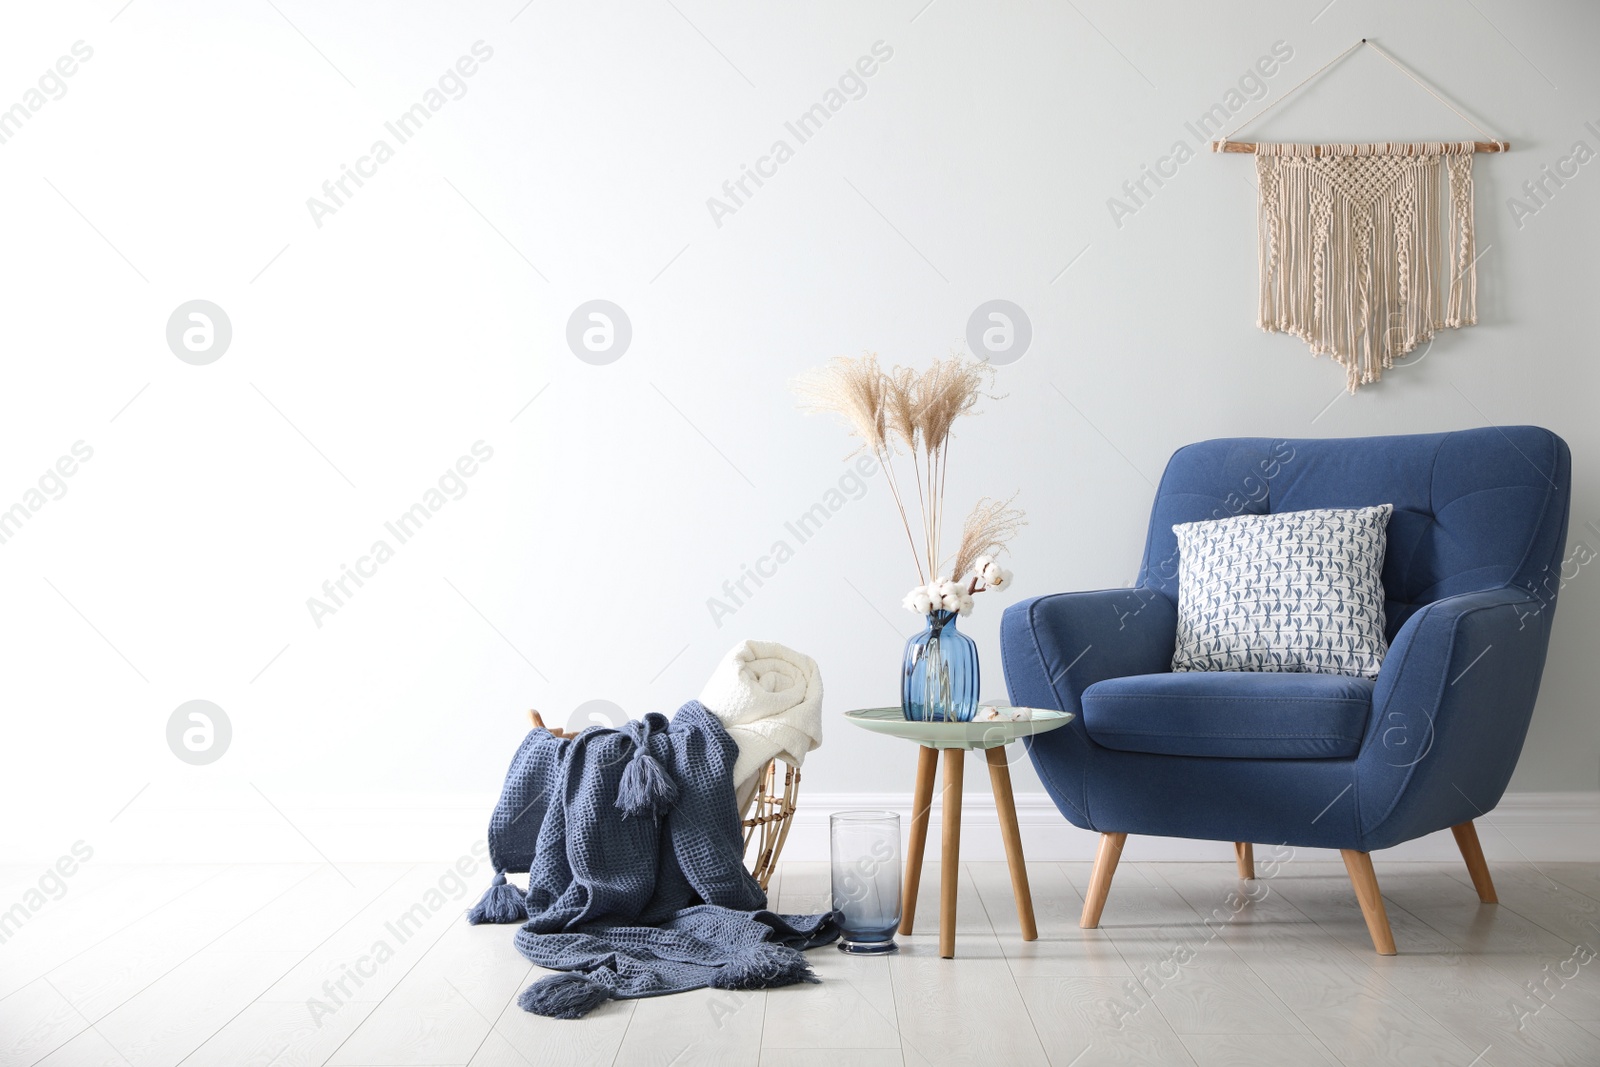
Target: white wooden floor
216	965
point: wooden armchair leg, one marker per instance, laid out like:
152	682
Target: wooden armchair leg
1359	864
1246	852
1105	866
1472	852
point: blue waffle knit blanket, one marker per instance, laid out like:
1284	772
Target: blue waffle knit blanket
635	860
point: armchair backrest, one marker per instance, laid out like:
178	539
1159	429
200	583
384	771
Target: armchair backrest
1473	509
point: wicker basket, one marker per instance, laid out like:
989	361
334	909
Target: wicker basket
767	820
766	825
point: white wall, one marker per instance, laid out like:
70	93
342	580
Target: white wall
429	313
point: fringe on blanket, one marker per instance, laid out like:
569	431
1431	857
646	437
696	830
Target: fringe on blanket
574	994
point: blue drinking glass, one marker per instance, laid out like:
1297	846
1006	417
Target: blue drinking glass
939	678
865	851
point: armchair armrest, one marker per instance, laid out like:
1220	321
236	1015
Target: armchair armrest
1054	647
1449	713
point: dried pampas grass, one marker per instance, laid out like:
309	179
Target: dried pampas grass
947	390
899	397
899	411
854	390
987	530
867	399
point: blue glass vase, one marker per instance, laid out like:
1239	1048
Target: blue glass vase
939	679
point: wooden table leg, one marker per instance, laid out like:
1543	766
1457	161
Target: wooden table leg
1006	805
921	809
950	856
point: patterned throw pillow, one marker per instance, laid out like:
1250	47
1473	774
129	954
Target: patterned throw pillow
1299	591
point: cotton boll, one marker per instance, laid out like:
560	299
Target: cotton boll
965	604
919	600
991	571
989	713
981	565
950	595
999	579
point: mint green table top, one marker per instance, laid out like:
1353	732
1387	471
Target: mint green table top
892	721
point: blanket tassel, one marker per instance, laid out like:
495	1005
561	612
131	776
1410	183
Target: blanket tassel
502	902
646	786
764	966
567	995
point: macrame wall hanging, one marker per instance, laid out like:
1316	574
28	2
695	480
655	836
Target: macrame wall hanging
1365	249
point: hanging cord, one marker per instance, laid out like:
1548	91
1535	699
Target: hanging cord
1397	65
1403	69
1316	74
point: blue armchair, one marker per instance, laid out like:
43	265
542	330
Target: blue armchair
1317	760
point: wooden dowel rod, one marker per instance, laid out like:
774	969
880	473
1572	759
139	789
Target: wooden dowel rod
1250	146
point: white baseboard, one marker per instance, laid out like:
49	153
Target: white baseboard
239	826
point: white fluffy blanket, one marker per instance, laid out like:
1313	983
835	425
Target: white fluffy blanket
769	698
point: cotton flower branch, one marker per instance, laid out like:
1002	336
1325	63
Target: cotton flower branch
956	596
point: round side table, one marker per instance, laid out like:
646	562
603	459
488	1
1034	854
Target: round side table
955	738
